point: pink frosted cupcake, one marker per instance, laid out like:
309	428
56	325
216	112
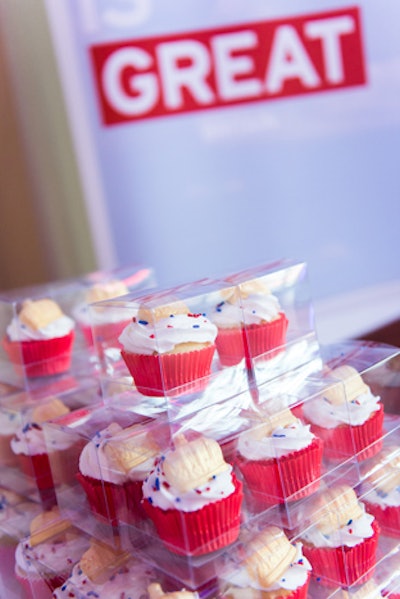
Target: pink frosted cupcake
168	347
39	339
383	498
193	498
280	459
342	542
112	468
272	567
250	323
347	417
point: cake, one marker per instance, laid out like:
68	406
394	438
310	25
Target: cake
41	458
106	572
280	459
40	338
193	497
168	347
45	559
107	322
272	567
251	323
112	467
342	541
383	498
346	416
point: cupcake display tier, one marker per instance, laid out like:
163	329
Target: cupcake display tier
201	444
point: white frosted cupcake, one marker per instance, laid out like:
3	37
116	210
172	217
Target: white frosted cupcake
167	348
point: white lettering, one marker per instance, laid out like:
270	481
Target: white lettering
289	60
144	87
191	76
329	31
227	67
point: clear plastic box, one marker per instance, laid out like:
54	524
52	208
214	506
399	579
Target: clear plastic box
51	342
177	342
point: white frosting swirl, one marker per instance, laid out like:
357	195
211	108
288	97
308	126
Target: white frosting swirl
254	309
350	535
143	337
323	413
283	440
294	577
31	440
160	493
130	580
18	331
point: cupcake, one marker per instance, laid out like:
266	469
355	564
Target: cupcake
108	323
347	417
251	323
41	458
383	500
168	347
272	568
16	513
341	544
193	497
280	459
44	560
39	339
106	573
112	468
155	591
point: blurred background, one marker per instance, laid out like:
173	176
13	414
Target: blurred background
309	176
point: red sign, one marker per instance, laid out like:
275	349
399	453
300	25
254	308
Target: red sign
144	78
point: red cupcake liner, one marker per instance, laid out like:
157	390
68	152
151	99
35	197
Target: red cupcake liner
106	500
388	518
251	341
343	565
288	478
344	441
153	375
38	468
41	358
208	529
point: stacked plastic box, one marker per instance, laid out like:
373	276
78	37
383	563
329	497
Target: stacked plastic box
48	368
237	464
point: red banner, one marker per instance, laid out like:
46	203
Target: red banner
144	78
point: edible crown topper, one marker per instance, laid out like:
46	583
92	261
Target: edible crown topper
47	525
100	561
103	291
128	450
254	287
335	508
38	314
271	556
351	386
161	312
193	463
283	419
